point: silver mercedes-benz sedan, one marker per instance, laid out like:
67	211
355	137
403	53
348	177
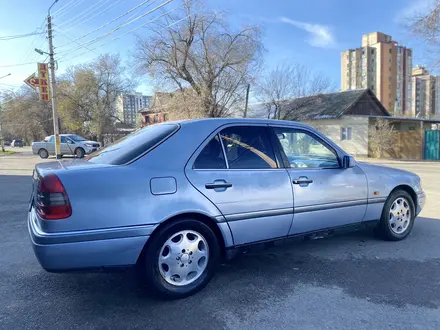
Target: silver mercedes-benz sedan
176	198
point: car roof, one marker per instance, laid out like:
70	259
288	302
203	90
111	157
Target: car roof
225	121
69	134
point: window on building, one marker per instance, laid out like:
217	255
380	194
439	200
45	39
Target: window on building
390	50
372	51
346	133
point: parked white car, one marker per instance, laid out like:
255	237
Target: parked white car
70	144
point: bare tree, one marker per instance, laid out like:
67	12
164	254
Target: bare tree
382	138
178	105
89	93
198	50
25	116
425	24
286	82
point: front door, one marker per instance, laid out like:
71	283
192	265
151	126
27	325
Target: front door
237	170
325	194
64	146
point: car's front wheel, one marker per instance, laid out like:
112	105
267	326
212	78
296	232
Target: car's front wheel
79	152
181	258
398	216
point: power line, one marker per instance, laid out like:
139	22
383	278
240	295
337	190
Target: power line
65	58
68	6
109	22
27	56
67	36
86	11
19	64
18	36
69	3
105	10
117	28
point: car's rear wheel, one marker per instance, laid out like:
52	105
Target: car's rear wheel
398	216
79	152
180	259
43	153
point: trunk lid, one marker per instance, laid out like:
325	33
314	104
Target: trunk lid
57	167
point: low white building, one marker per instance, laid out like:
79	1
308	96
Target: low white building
343	116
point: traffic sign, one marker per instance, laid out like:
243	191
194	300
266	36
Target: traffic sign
32	81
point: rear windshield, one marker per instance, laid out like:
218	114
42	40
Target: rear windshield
133	145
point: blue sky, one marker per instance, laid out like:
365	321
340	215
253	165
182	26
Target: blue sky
312	32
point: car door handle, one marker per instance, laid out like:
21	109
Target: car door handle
217	185
302	180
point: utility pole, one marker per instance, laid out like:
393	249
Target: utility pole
247	100
53	85
2	142
1	130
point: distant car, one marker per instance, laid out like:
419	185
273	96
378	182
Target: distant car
17	143
7	143
174	198
70	144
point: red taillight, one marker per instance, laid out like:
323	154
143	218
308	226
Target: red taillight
52	202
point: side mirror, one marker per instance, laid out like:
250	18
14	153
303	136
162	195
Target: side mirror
348	161
70	142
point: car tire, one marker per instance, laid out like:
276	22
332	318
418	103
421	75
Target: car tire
398	216
79	152
160	268
43	153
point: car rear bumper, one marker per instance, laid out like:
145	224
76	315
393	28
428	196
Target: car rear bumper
82	250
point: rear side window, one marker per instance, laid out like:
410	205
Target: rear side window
248	147
133	145
211	156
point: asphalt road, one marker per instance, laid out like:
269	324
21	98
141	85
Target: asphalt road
347	282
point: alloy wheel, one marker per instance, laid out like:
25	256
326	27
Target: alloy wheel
400	215
183	257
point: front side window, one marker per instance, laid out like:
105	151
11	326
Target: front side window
77	138
303	150
248	147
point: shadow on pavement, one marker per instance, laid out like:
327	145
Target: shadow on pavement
391	273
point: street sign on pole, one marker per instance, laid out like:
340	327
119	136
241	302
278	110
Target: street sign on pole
32	81
43	81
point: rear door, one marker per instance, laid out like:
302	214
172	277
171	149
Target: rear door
50	145
237	170
326	195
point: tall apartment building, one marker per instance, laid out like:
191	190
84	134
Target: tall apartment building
384	67
426	94
129	105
